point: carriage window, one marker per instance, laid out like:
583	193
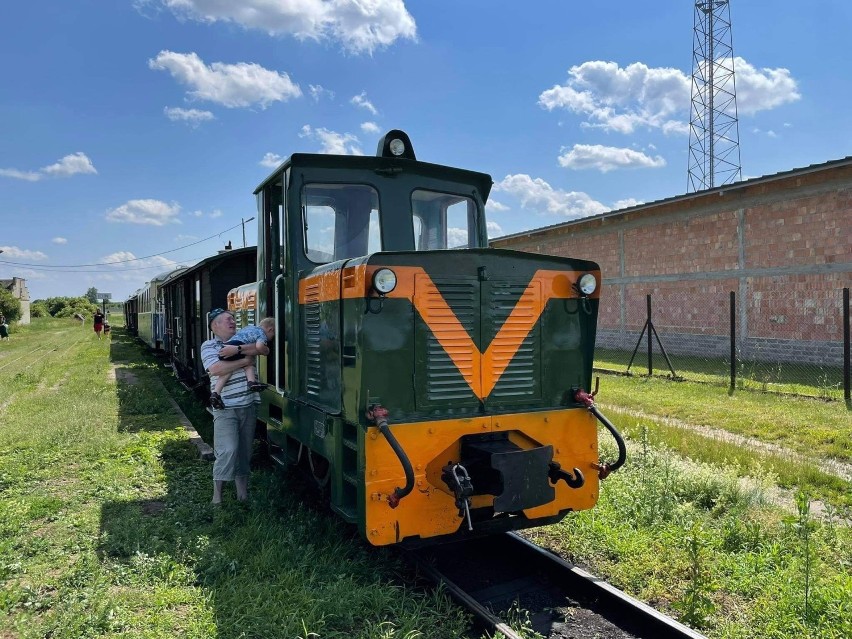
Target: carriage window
341	221
442	220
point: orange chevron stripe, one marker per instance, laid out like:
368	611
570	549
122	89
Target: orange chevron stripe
480	370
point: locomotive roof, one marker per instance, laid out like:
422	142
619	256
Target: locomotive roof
483	181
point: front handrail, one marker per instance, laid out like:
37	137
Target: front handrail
279	336
603	468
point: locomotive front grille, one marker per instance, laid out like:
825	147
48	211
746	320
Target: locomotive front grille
471	334
516	351
451	311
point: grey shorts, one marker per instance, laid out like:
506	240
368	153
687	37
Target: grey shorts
233	438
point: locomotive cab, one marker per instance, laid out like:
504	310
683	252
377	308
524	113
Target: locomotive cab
430	381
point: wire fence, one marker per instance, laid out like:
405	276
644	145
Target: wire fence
718	337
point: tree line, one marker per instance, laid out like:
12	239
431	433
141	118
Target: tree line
85	305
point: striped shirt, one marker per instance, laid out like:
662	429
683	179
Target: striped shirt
236	393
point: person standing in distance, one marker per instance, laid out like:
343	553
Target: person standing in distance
233	425
98	322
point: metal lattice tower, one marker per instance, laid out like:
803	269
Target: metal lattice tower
714	146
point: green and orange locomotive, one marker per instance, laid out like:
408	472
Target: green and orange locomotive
435	385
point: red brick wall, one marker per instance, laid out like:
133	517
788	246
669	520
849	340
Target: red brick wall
706	243
806	230
782	243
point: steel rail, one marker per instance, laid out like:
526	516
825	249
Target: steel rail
537	574
660	625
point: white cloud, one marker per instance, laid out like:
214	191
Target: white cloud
494	229
66	167
369	127
626	203
21	254
538	195
128	268
456	237
153	212
32	274
119	256
231	85
607	158
215	213
29	176
361	100
332	142
70	165
59	240
624	99
494	205
621	99
317	92
271	160
361	26
768	133
764	89
193	117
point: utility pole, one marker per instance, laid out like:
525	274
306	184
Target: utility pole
714	137
244	229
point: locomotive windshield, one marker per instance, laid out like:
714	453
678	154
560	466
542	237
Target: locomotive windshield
442	220
343	221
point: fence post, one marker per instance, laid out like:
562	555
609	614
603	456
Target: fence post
650	343
847	382
733	341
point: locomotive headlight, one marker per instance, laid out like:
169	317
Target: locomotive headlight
397	146
384	280
588	284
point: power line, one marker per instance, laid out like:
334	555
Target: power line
135	259
59	269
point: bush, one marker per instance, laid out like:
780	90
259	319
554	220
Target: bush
66	306
39	309
10	306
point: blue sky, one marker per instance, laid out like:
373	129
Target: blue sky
132	134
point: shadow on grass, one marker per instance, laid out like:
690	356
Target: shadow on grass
280	566
146	387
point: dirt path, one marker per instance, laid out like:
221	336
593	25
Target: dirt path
831	466
779	496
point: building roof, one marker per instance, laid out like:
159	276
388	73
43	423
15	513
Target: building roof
724	189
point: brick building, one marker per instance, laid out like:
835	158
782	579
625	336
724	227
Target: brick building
782	243
18	288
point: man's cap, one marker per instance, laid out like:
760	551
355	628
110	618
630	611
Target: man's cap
216	312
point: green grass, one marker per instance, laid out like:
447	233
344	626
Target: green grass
698	543
789	472
811	380
804	425
106	527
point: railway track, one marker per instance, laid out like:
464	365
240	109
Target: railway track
496	577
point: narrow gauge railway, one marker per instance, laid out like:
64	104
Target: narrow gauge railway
491	575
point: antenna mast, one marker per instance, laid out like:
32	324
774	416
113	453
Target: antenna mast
714	146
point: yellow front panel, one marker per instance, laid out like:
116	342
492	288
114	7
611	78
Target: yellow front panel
429	510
